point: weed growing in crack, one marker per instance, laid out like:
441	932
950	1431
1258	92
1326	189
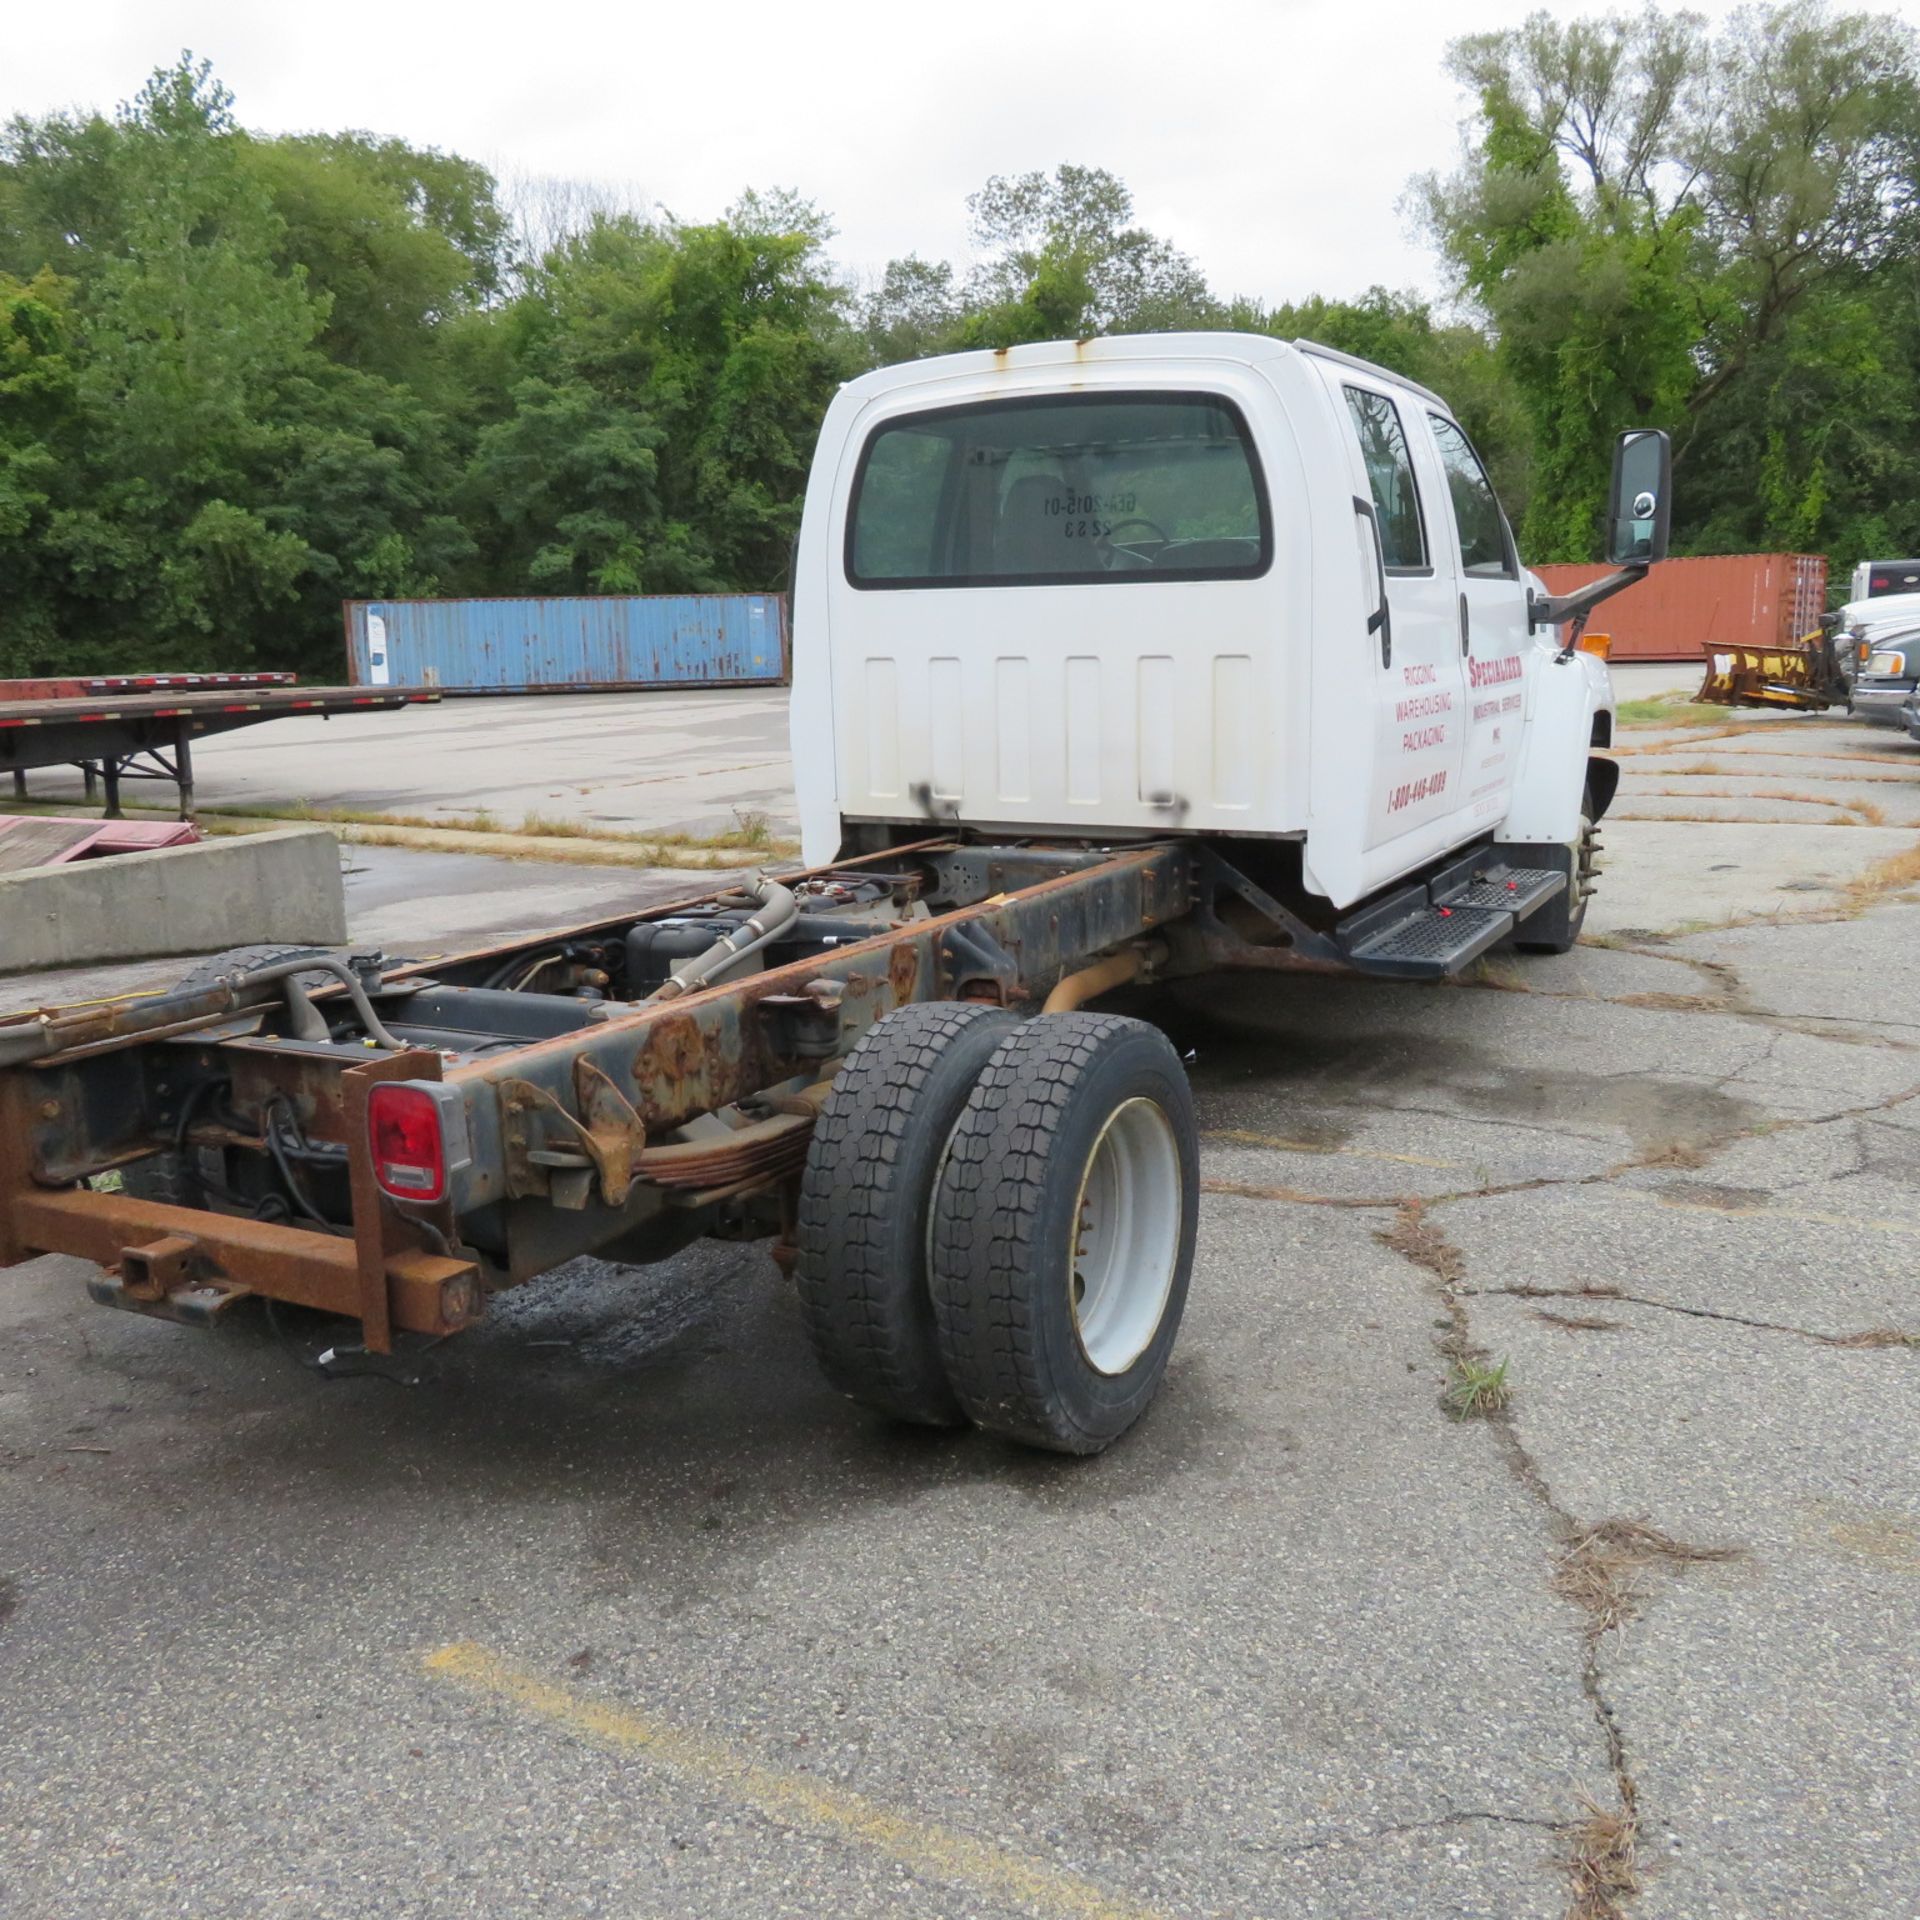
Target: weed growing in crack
1476	1390
1603	1569
1477	1386
755	829
1600	1861
1414	1237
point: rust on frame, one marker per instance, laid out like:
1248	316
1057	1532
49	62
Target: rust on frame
429	1293
903	972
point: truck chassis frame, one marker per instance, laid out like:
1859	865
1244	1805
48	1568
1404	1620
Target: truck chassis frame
562	1125
633	1128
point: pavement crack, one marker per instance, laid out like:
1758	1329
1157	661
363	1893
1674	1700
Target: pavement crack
1298	1196
1868	1337
1599	1567
1396	1828
1812	1026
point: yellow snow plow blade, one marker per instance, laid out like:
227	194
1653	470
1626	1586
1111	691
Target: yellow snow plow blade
1801	678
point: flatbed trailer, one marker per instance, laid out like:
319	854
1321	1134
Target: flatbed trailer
143	726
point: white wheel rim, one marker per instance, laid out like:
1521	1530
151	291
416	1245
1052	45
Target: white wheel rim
1126	1239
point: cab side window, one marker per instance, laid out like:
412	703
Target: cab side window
1383	450
1483	533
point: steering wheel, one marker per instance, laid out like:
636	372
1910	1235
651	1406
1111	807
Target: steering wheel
1138	520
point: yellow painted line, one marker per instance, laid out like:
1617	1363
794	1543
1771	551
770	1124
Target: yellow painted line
1241	1137
794	1799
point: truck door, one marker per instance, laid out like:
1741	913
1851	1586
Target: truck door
1414	678
1491	604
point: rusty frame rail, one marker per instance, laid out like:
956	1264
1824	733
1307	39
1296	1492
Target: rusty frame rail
156	1250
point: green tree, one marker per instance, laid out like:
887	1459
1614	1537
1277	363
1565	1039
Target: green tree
37	413
1060	259
1647	210
156	547
669	382
272	374
400	243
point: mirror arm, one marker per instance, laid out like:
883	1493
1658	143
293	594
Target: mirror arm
1552	609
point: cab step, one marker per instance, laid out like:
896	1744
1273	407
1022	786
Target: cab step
1514	890
1428	932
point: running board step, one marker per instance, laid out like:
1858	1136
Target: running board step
1431	931
1514	890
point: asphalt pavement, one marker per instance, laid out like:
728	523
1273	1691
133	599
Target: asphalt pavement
619	1611
691	761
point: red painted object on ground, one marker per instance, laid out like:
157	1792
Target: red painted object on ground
35	840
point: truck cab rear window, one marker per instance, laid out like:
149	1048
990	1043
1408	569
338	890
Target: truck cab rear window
1070	489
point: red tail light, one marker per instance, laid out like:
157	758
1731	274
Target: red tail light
409	1150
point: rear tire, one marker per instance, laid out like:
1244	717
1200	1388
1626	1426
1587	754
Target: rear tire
1064	1231
865	1201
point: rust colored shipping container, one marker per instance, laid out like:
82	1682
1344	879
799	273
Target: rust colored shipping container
1684	607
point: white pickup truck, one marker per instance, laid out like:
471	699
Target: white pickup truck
1205	584
1114	660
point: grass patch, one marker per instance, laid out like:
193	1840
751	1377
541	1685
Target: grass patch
1670	710
754	833
734	847
1892	875
1476	1389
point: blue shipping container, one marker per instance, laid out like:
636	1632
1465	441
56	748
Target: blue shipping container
572	645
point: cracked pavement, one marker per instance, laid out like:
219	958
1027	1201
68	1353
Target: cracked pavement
1300	1646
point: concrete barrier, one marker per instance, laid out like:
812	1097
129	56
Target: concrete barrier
236	891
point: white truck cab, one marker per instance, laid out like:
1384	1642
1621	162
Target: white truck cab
1200	584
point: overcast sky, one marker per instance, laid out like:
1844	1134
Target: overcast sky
1271	139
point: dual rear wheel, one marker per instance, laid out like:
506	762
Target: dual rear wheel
997	1221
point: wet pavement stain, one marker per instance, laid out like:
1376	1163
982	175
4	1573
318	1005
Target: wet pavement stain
1309	1068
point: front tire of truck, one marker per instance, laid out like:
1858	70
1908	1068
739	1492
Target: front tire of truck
1064	1231
866	1200
1586	855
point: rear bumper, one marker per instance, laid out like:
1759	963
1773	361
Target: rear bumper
186	1264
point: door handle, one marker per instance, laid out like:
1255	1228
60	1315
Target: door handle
1466	629
1382	621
